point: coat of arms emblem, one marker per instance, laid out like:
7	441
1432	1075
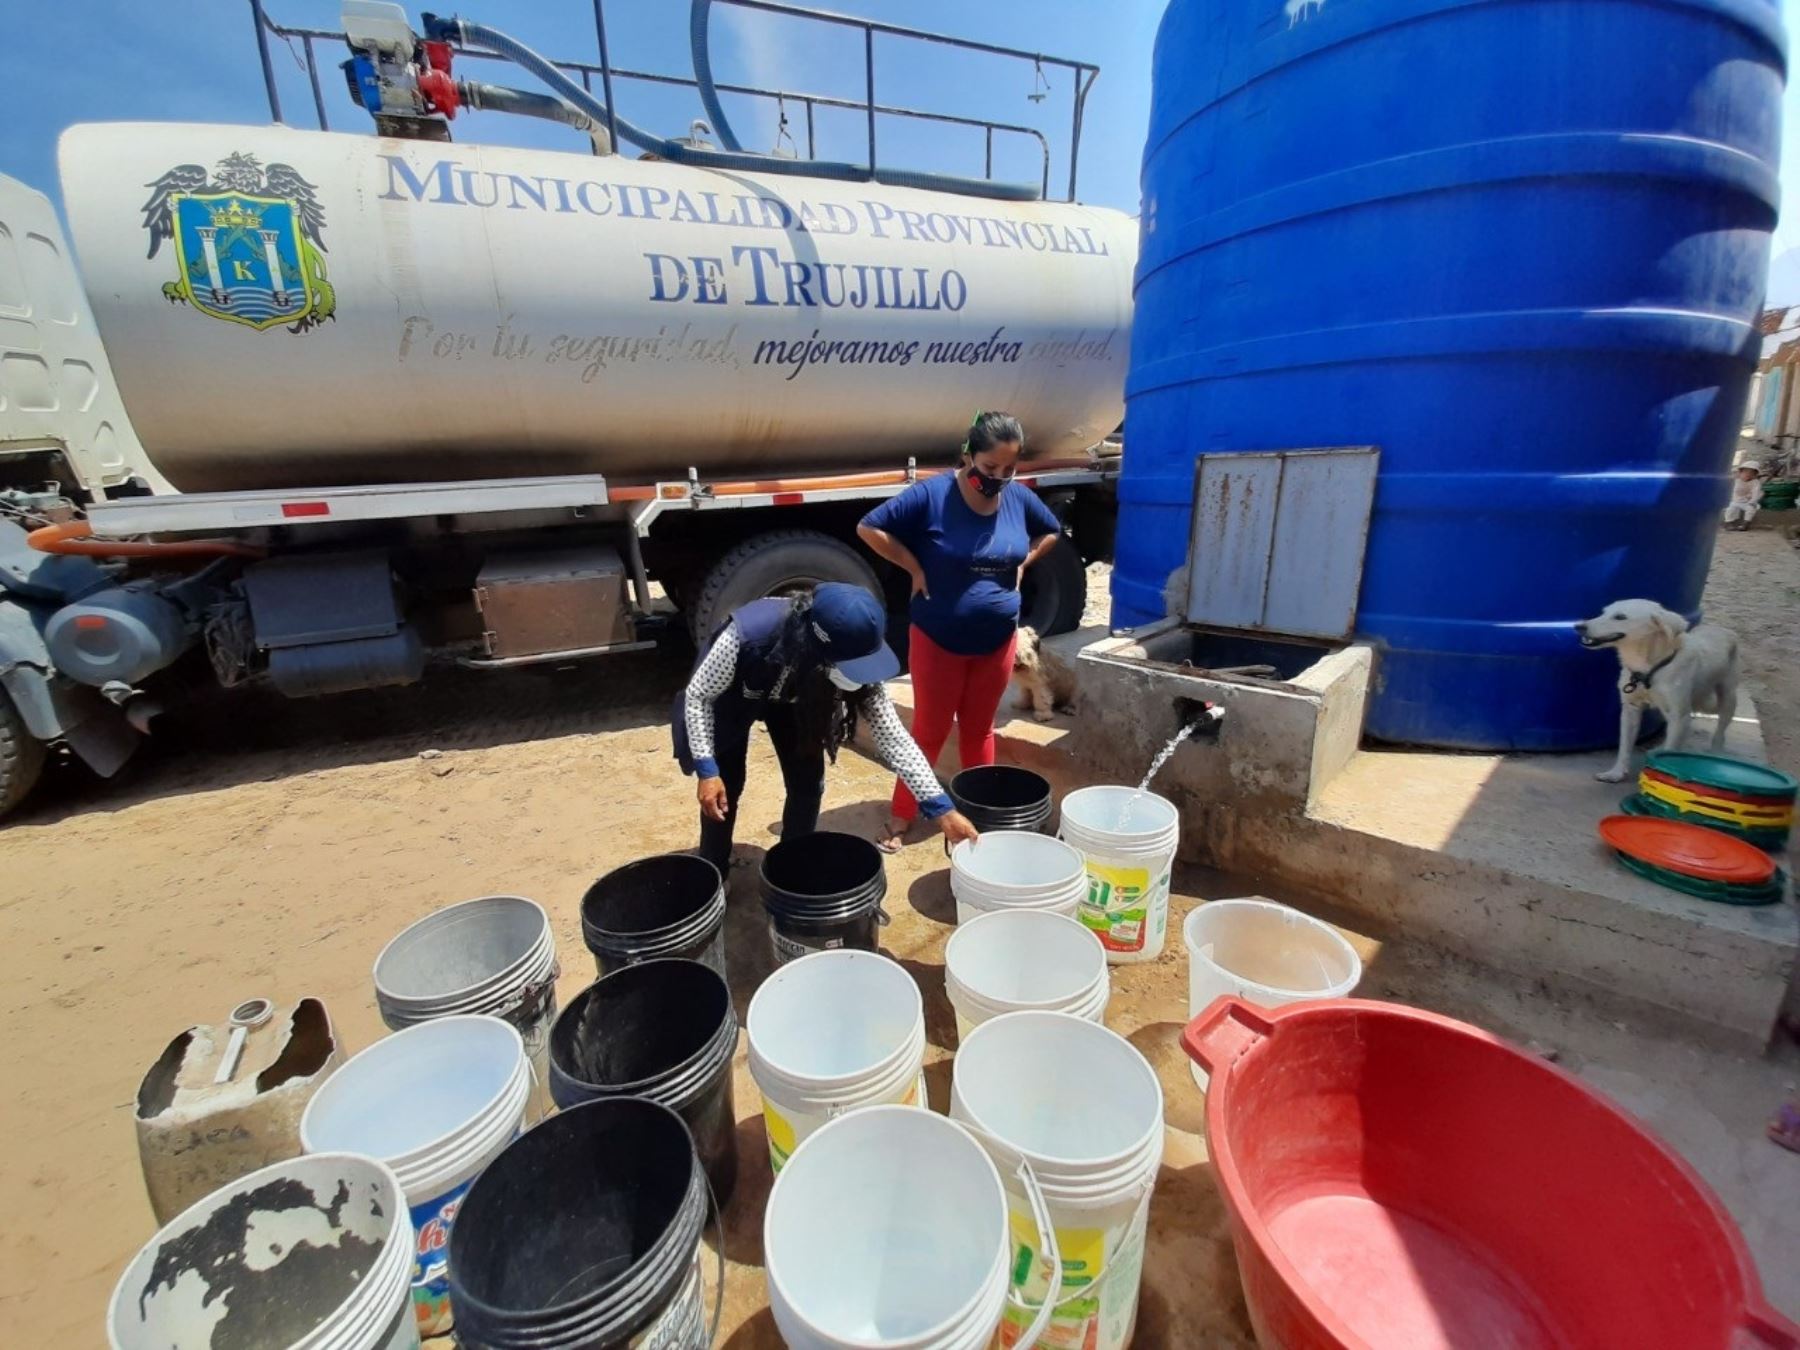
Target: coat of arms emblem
248	242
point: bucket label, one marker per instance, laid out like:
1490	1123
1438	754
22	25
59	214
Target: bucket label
781	1136
1097	1314
1124	905
431	1264
791	949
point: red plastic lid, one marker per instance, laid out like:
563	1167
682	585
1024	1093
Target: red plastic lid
1707	790
1692	850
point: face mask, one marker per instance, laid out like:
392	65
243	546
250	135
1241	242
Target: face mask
841	680
987	487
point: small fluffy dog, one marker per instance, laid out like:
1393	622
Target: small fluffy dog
1667	666
1045	684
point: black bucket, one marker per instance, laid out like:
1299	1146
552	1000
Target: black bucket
662	1030
1002	797
584	1233
671	905
823	892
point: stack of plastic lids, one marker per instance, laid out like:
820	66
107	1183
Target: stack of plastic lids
1695	860
1750	801
1781	494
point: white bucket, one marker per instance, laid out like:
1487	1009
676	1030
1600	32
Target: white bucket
436	1103
1128	840
889	1229
1012	960
1014	869
830	1033
495	955
227	1258
1266	953
1084	1109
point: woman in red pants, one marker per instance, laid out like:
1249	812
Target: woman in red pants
965	539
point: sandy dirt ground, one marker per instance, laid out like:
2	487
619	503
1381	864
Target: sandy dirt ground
273	848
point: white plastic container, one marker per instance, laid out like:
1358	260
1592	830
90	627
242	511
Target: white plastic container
1264	952
231	1253
1084	1109
831	1033
1015	869
1012	960
890	1229
1127	839
436	1103
495	955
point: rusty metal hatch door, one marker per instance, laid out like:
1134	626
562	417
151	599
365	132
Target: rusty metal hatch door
1277	540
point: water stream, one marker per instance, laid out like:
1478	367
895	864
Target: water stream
1162	757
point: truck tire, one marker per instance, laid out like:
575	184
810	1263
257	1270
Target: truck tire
784	562
1055	591
21	757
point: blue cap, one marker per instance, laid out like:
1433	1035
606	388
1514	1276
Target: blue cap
849	624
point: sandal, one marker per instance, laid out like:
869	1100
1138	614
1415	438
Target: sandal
893	836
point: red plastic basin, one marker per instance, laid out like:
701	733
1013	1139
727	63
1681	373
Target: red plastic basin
1399	1179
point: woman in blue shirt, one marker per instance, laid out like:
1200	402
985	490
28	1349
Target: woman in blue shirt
965	539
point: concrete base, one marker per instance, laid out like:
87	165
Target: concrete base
1492	857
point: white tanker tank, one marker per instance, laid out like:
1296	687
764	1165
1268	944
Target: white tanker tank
289	308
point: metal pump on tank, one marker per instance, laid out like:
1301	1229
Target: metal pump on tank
452	311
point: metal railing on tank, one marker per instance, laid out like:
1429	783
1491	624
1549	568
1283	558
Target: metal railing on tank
1082	76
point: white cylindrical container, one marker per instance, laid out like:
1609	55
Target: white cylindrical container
436	1103
831	1033
495	955
1128	840
1012	960
1015	869
1264	952
889	1230
481	306
1083	1108
231	1259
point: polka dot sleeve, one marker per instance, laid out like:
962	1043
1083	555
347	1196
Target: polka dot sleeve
713	676
901	753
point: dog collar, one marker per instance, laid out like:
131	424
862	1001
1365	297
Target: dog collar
1641	679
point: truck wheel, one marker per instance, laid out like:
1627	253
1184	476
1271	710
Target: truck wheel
1055	592
21	757
785	562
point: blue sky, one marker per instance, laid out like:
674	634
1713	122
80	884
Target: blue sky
94	60
107	60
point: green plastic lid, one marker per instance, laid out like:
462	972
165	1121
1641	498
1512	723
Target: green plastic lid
1722	771
1723	893
1770	837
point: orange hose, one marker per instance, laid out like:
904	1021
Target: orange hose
75	538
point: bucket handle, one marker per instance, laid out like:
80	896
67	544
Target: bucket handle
718	1213
1223	1031
1764	1327
1046	1227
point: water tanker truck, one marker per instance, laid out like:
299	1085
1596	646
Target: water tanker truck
323	409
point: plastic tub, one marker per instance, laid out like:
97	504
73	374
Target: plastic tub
823	892
314	1253
436	1103
584	1234
662	1030
1016	960
495	956
889	1229
1084	1109
1264	952
671	905
1128	840
1002	797
1014	869
830	1033
1398	1178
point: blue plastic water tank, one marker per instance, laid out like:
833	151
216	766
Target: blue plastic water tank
1519	245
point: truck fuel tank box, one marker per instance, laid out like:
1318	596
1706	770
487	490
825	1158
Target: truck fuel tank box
570	600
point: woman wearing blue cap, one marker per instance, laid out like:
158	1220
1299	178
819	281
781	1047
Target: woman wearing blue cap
806	668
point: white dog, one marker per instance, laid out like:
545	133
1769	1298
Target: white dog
1667	666
1044	682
